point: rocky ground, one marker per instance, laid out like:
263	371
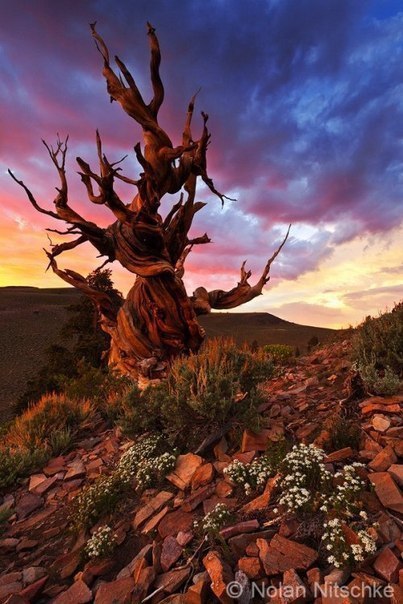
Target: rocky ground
158	557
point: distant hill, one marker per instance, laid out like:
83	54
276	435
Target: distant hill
31	318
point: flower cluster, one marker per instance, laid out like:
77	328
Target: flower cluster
144	462
101	544
347	488
305	478
214	521
250	476
95	500
339	552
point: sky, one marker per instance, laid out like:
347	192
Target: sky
305	99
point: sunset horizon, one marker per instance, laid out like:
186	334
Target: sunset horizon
306	116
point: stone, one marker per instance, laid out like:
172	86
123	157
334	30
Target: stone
396	471
387	566
186	466
262	501
67	564
339	455
380	423
387	491
251	566
239	543
203	475
383	460
10	588
33	573
34	589
154	521
151	507
78	593
174	522
183	538
115	592
10	578
223	489
28	504
171	581
255	442
35	480
144	554
292	590
170	553
197	497
220	575
8	544
75	470
248	526
281	554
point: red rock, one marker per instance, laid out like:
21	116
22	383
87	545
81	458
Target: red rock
174	522
292	590
35	480
244	457
262	501
203	475
8	544
10	588
171	580
223	489
26	544
75	470
115	592
183	538
397	594
314	576
28	504
251	566
34	589
380	423
186	466
209	504
339	455
197	497
78	593
196	594
143	554
383	460
387	566
154	521
396	471
248	526
220	575
14	577
170	553
387	491
255	442
239	543
33	573
151	507
281	554
67	564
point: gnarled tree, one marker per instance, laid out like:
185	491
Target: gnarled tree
157	321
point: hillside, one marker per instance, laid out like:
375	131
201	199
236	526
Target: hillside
30	320
159	555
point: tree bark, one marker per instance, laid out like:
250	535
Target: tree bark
157	321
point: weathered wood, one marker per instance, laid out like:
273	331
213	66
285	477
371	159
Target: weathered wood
157	321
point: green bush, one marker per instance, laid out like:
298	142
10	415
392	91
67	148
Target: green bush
378	351
15	464
203	393
279	353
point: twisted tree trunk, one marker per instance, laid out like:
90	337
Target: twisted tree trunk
157	321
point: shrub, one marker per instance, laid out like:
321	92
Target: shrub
383	383
202	393
378	351
53	413
279	353
343	433
211	524
15	464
